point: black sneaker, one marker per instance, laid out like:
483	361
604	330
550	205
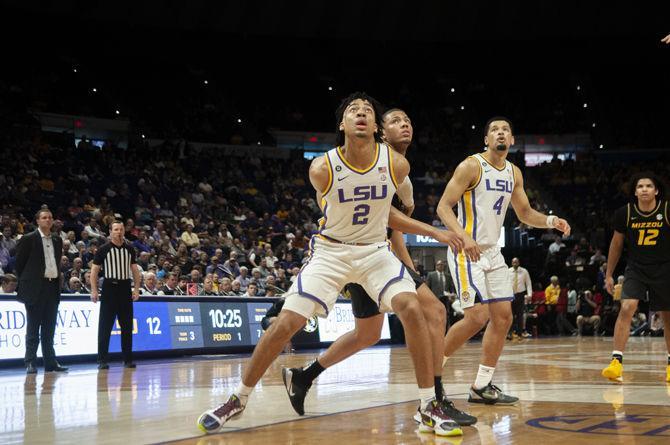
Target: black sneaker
211	421
448	408
462	418
433	419
296	390
491	395
103	365
129	365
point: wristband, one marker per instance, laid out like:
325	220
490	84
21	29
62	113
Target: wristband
551	221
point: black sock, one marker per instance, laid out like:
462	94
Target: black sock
312	372
618	357
439	391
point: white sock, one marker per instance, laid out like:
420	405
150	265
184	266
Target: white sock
484	376
426	395
243	392
444	360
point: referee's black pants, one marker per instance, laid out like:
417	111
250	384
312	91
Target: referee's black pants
115	302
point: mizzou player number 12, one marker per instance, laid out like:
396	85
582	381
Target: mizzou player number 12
643	225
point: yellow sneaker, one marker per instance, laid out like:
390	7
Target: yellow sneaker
667	374
614	372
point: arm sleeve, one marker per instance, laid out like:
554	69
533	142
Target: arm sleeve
406	192
22	252
529	284
620	220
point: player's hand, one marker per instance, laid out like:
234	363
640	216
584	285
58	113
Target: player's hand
94	296
471	249
609	285
563	226
136	295
666	39
452	239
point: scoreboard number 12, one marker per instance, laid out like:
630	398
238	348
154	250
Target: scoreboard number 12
154	325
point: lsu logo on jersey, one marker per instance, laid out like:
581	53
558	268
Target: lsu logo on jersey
500	185
363	193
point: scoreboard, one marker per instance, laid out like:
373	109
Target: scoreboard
209	325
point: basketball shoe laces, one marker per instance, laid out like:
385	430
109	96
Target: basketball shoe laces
446	422
232	403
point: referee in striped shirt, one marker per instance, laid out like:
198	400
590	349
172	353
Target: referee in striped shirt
117	259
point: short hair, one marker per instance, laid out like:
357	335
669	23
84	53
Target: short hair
42	210
339	114
172	275
498	118
146	275
391	110
117	221
658	184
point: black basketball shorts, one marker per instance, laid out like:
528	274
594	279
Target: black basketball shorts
362	305
652	280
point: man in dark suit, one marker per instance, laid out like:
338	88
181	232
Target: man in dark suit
439	281
38	266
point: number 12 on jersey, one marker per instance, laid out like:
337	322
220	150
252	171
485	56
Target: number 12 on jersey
647	237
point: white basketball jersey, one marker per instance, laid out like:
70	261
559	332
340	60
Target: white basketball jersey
356	203
482	208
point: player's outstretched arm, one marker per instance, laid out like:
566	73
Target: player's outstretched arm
530	216
616	247
666	39
465	175
403	223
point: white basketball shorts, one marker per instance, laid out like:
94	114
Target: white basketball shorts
333	265
485	281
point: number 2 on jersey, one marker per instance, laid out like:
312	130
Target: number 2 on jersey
360	213
498	205
647	237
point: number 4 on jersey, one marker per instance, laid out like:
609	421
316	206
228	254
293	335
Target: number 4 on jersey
498	205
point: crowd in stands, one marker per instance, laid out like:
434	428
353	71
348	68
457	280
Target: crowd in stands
209	225
203	225
198	222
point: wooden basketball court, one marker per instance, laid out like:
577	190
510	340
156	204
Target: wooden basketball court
368	399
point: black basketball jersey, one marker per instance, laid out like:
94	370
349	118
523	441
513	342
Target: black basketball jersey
647	234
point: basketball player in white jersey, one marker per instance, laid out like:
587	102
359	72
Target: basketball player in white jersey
483	186
351	246
397	131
